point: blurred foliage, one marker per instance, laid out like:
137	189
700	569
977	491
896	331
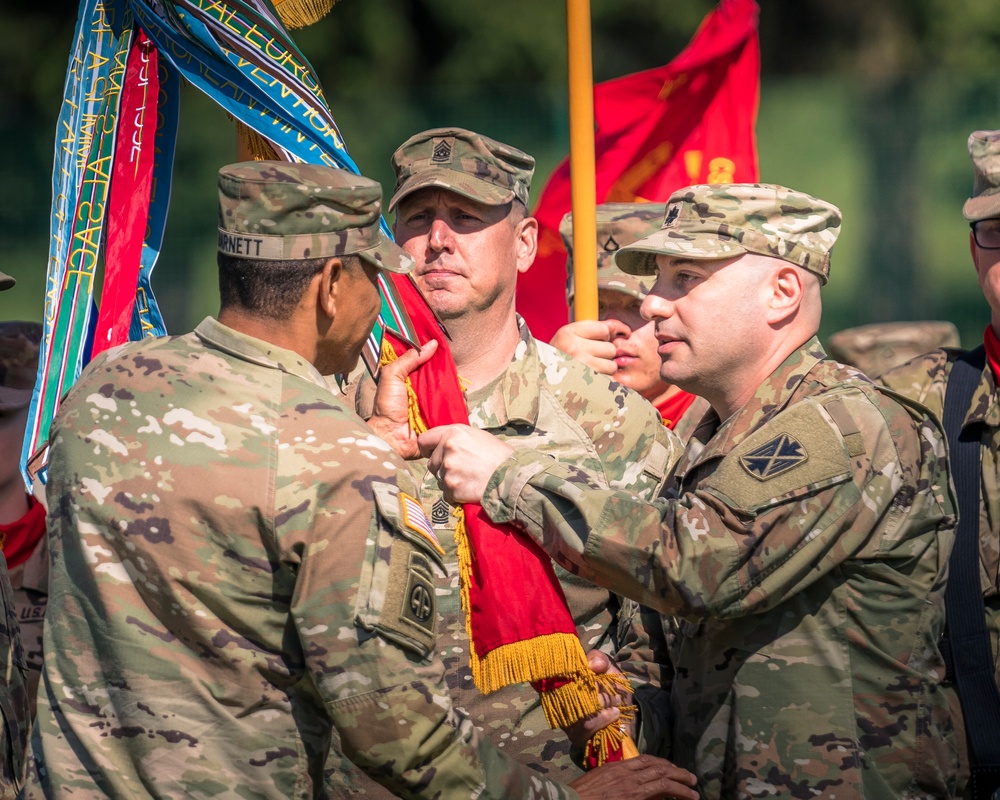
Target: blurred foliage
865	104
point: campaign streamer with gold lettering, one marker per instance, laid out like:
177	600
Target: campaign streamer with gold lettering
146	318
97	68
131	185
88	143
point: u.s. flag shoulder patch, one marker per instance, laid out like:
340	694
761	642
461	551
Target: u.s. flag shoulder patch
416	520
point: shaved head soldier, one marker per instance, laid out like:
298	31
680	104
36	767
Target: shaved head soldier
802	544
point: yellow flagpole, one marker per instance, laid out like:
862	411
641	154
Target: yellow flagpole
582	170
581	158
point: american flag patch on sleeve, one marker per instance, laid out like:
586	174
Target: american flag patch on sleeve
416	520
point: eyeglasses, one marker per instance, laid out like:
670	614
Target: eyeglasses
987	233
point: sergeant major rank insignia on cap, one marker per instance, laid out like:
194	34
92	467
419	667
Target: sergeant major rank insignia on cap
672	215
442	151
773	458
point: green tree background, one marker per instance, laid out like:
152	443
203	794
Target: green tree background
866	104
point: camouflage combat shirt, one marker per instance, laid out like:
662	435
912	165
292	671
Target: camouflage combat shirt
30	582
804	543
14	705
238	572
550	403
925	379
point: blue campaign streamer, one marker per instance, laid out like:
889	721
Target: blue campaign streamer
146	318
209	72
91	61
260	108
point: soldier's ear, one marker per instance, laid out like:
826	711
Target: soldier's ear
526	243
329	287
787	289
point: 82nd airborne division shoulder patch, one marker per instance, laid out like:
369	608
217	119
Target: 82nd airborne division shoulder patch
779	455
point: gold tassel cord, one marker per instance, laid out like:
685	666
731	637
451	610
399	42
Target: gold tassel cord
608	739
251	146
301	13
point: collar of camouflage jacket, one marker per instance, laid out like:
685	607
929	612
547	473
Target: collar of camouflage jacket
514	396
769	399
256	351
985	406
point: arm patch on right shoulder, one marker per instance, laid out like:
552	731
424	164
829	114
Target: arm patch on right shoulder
797	452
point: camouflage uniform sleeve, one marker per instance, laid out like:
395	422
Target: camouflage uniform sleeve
378	677
732	544
643	656
636	450
13	694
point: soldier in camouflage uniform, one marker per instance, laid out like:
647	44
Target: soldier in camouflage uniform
460	201
620	343
22	515
14	706
239	566
805	536
926	378
879	347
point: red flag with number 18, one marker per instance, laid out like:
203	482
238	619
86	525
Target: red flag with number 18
691	121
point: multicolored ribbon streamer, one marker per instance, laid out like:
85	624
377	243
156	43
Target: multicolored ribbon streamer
131	184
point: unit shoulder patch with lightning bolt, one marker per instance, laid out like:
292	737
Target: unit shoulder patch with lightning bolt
798	452
783	452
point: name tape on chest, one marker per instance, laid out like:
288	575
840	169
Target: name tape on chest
416	520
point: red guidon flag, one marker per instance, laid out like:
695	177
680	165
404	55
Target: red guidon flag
691	121
520	629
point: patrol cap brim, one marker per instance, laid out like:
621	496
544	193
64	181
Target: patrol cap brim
985	206
6	281
616	285
12	399
451	180
639	258
389	256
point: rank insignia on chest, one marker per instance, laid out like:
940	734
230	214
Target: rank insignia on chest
440	512
775	457
416	520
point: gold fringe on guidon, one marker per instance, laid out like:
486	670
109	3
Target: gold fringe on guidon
530	660
300	13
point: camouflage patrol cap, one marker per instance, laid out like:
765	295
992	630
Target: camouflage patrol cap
19	343
984	149
618	224
876	348
6	281
718	221
279	211
463	162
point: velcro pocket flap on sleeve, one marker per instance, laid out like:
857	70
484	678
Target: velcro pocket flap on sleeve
400	603
799	452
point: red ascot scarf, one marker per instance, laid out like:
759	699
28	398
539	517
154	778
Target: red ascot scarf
992	351
673	408
20	536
